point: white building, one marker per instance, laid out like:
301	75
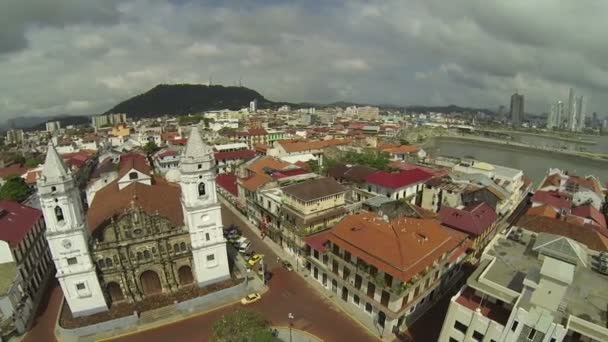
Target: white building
253	106
52	126
531	287
202	212
68	237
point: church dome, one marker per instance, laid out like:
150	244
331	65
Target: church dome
173	176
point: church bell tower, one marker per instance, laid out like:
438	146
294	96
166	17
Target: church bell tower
68	237
202	211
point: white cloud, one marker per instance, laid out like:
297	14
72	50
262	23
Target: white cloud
199	49
352	64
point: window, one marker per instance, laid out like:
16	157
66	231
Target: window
199	166
531	334
72	261
80	286
53	188
59	213
146	254
453	340
139	256
101	263
207	237
176	248
477	336
109	262
356	299
514	326
201	189
210	257
182	246
133	175
368	307
460	327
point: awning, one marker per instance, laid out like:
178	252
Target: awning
317	241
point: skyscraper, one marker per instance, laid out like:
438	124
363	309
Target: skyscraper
580	114
517	109
552	118
571	110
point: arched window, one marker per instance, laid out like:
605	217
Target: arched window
101	263
201	189
176	248
133	175
139	256
182	246
109	262
146	254
59	213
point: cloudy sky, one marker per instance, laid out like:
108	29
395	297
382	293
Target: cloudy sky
81	56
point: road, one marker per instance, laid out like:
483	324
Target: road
288	294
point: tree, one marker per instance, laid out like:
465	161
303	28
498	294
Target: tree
313	166
15	189
226	131
242	326
150	147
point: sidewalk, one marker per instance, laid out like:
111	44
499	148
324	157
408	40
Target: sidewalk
296	335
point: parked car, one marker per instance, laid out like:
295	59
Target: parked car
248	254
287	265
251	298
254	259
244	247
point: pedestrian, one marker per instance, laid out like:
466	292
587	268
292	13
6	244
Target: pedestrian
278	259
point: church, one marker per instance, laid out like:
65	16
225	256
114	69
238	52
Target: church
141	236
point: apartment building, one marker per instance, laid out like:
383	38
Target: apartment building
407	184
387	270
531	286
478	220
25	266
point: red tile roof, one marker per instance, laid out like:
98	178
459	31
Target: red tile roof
401	165
400	179
13	170
16	221
589	235
235	155
543	210
474	219
556	199
589	212
228	182
257	131
161	198
254	182
167	153
403	248
133	161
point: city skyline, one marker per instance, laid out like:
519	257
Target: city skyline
84	58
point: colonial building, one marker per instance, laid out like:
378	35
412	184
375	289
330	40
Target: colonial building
142	235
25	266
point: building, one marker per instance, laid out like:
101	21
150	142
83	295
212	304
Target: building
53	126
166	159
142	236
14	136
406	184
580	114
368	113
228	161
253	106
389	270
477	220
517	109
531	287
105	120
571	122
25	266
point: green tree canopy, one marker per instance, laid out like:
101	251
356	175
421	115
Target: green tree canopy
150	147
242	326
15	189
371	158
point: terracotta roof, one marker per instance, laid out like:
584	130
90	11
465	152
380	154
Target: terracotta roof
474	219
397	180
261	147
338	170
254	182
403	248
228	182
401	165
257	131
300	146
587	234
133	161
556	199
259	165
31	177
235	155
16	220
160	198
314	189
13	170
589	212
543	210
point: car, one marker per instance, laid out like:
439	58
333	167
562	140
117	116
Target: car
251	298
287	265
248	254
244	247
254	259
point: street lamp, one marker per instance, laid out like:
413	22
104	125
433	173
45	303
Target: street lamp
290	316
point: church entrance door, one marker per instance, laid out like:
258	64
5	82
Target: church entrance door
150	283
185	275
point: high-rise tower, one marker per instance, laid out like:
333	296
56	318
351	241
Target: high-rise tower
517	109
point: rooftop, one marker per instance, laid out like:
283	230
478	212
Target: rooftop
397	180
402	247
314	189
513	261
16	220
586	234
475	219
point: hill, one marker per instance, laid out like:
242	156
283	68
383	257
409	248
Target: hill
446	109
30	123
181	99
